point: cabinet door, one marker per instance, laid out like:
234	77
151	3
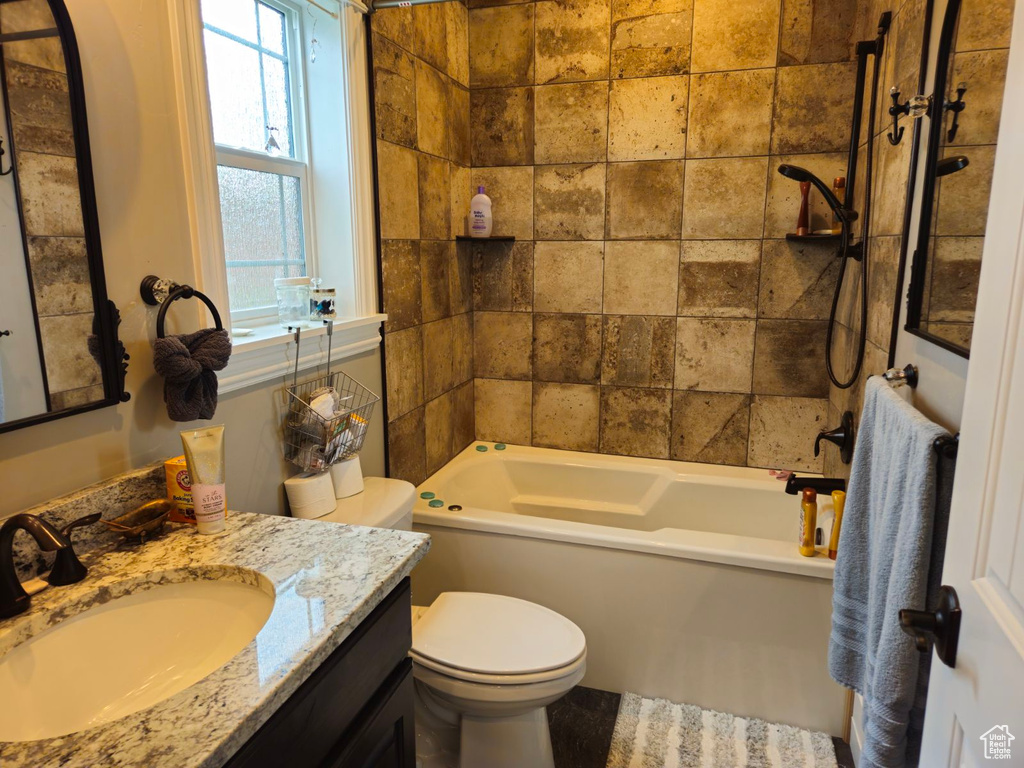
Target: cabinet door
385	735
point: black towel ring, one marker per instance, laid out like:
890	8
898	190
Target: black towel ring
152	290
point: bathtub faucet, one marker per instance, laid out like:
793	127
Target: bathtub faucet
795	484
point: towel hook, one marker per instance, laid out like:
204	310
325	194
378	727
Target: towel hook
156	291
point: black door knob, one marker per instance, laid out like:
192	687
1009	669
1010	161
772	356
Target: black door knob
5	333
939	628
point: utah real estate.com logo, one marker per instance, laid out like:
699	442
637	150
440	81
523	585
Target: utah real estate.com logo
997	742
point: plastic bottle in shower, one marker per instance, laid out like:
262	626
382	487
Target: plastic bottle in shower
839	190
808	522
838	502
481	222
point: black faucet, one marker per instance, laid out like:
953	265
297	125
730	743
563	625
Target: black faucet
13	598
795	484
67	568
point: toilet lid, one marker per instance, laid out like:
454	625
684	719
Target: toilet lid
496	635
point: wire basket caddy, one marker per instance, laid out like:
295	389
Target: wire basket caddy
314	442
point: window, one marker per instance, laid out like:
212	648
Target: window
254	70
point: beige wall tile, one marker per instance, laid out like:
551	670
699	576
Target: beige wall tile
460	278
566	416
718	278
651	38
435	280
569	202
460	146
638	351
784	194
798	280
464	432
394	92
567	348
511	192
730	113
396	25
462	348
400	264
430	34
817	31
647	118
431	111
568	276
522	277
398	181
457	24
954	285
710	427
492	277
438	423
724	198
438	363
714	355
50	200
572	123
503	410
462	193
69	365
734	34
883	284
641	277
407	447
501	46
782	432
60	275
645	200
502	126
503	345
636	422
572	40
813	108
435	197
403	360
787	358
985	25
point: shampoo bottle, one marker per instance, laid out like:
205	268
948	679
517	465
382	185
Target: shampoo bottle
838	502
808	522
481	222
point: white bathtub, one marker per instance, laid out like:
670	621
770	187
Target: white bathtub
684	577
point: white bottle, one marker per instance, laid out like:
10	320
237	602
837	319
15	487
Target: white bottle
480	220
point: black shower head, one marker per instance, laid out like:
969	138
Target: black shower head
796	173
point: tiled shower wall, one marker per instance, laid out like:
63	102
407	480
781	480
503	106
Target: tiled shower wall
421	79
651	305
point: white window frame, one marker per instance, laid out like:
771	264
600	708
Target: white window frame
282	165
269	351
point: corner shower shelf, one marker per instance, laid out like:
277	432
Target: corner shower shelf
813	238
492	239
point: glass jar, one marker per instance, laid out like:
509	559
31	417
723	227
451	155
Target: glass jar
321	303
292	301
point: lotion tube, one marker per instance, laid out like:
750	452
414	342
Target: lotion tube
204	454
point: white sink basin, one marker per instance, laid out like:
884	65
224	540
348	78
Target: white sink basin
126	655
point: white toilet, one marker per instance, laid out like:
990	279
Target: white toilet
486	664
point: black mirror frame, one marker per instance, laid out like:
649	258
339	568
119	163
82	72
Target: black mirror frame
106	318
919	265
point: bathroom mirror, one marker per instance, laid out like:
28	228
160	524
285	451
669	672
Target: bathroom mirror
59	352
959	138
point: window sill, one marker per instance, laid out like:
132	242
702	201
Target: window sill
269	354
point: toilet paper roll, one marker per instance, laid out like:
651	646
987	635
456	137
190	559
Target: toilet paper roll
310	496
347	477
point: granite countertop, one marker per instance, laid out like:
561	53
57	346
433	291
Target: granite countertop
329	575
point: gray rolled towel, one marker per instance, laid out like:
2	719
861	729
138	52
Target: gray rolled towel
188	363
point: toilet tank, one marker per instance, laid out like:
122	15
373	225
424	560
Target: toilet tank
384	503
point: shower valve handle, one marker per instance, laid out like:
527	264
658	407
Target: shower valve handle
842	436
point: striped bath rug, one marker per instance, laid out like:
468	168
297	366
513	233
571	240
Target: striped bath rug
655	733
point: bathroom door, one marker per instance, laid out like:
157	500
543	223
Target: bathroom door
976	711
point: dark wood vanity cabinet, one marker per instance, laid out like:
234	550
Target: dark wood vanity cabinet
355	710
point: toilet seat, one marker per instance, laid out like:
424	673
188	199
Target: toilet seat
496	639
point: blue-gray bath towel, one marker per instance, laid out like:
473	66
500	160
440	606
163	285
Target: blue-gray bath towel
884	561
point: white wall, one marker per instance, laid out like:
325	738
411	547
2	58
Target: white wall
140	190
